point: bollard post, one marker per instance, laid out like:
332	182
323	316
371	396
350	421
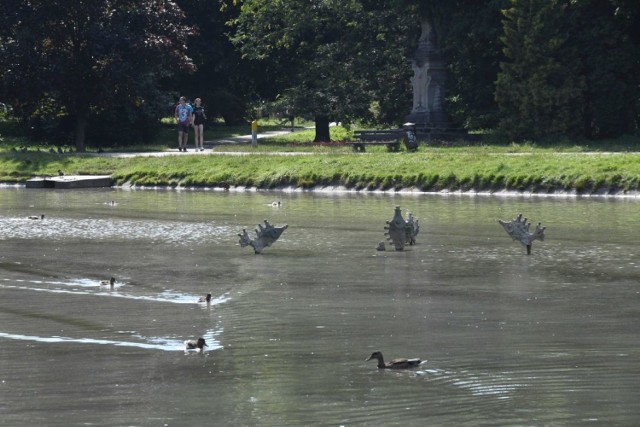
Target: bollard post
254	133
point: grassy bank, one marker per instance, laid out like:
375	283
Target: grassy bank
474	168
293	160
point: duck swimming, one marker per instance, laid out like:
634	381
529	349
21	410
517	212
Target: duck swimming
206	298
195	345
395	363
36	216
109	282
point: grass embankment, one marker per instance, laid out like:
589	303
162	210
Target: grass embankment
476	169
611	167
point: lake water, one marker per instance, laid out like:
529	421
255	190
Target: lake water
510	339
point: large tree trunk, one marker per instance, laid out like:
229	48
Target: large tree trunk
322	129
81	126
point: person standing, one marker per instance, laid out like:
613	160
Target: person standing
183	115
198	123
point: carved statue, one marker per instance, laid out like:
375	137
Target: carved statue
266	236
420	82
428	82
401	232
518	229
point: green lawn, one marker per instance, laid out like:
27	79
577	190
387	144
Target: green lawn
294	160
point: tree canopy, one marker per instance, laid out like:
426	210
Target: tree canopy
101	70
334	59
79	59
571	69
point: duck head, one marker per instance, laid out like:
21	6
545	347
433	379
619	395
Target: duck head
378	356
375	355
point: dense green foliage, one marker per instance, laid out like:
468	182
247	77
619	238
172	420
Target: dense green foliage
539	89
105	71
571	69
474	53
69	62
224	82
332	59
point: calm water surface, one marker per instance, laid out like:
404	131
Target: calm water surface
509	339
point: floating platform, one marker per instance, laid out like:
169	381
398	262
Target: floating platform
70	181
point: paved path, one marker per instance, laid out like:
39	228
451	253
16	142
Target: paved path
235	140
244	139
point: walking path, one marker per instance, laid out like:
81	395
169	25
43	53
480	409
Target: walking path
235	140
244	139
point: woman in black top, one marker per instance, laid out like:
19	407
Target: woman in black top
198	123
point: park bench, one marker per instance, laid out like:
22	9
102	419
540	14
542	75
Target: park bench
391	138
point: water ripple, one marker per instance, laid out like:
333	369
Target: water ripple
147	343
90	287
478	384
176	232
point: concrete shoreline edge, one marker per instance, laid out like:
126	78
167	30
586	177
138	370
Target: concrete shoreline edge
604	193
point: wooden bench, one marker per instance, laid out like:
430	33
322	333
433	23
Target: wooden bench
390	138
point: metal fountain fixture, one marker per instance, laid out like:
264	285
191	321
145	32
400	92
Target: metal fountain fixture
400	232
265	236
518	229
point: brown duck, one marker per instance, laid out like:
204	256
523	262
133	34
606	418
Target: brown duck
395	363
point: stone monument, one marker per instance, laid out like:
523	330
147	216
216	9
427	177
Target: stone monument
428	82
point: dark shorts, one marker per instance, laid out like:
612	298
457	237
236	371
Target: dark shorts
183	127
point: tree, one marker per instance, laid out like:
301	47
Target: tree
221	79
88	56
332	58
572	68
473	52
610	64
539	90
